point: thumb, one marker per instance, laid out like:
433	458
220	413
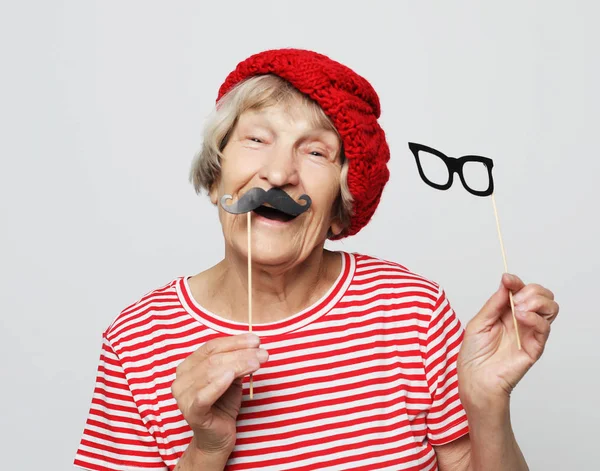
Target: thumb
498	302
512	282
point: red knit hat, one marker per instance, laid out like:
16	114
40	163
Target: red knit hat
352	105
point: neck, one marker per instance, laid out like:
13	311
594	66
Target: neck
278	292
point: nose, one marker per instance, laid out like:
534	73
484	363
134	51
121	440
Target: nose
280	168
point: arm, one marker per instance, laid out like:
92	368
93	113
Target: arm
193	459
490	445
208	391
115	437
489	367
493	443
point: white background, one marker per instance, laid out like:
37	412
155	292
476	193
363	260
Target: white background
101	110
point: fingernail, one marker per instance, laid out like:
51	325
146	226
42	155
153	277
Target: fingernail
262	355
253	340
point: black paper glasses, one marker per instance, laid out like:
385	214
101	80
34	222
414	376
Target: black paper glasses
437	170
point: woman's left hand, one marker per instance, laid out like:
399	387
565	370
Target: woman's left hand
489	363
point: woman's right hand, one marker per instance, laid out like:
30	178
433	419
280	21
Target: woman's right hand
208	390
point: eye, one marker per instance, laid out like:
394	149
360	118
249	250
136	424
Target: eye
317	153
255	139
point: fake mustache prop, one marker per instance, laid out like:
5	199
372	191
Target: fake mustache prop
277	198
253	199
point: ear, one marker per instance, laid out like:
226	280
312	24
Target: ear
336	227
214	193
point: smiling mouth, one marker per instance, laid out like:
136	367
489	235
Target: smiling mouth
273	214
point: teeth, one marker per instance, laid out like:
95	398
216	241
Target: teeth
272	213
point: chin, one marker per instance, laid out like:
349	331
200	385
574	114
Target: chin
277	246
276	250
281	249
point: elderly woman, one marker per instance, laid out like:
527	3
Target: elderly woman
357	363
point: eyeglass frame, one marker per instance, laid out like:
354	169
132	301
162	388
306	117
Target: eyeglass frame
454	165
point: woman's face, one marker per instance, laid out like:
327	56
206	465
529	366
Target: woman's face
279	147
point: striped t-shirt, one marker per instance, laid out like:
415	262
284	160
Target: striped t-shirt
363	379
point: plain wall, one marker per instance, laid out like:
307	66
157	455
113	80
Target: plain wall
101	111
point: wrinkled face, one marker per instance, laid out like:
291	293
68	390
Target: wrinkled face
279	147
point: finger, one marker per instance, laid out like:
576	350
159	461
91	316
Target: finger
237	369
533	289
230	401
539	325
539	304
492	310
218	345
200	389
512	282
534	335
200	402
240	363
227	344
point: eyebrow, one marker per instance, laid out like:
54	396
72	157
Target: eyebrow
312	131
331	148
261	115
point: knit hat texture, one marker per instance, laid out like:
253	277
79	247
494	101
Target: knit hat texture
352	105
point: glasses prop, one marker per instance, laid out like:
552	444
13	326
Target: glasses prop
475	173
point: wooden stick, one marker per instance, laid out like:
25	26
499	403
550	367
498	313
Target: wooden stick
249	213
510	295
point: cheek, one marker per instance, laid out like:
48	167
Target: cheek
228	222
323	187
231	179
240	162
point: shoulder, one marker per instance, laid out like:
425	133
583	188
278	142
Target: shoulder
139	315
379	274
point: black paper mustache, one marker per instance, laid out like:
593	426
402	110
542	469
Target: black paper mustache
276	197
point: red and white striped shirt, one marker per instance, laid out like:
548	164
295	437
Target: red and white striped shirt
363	379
